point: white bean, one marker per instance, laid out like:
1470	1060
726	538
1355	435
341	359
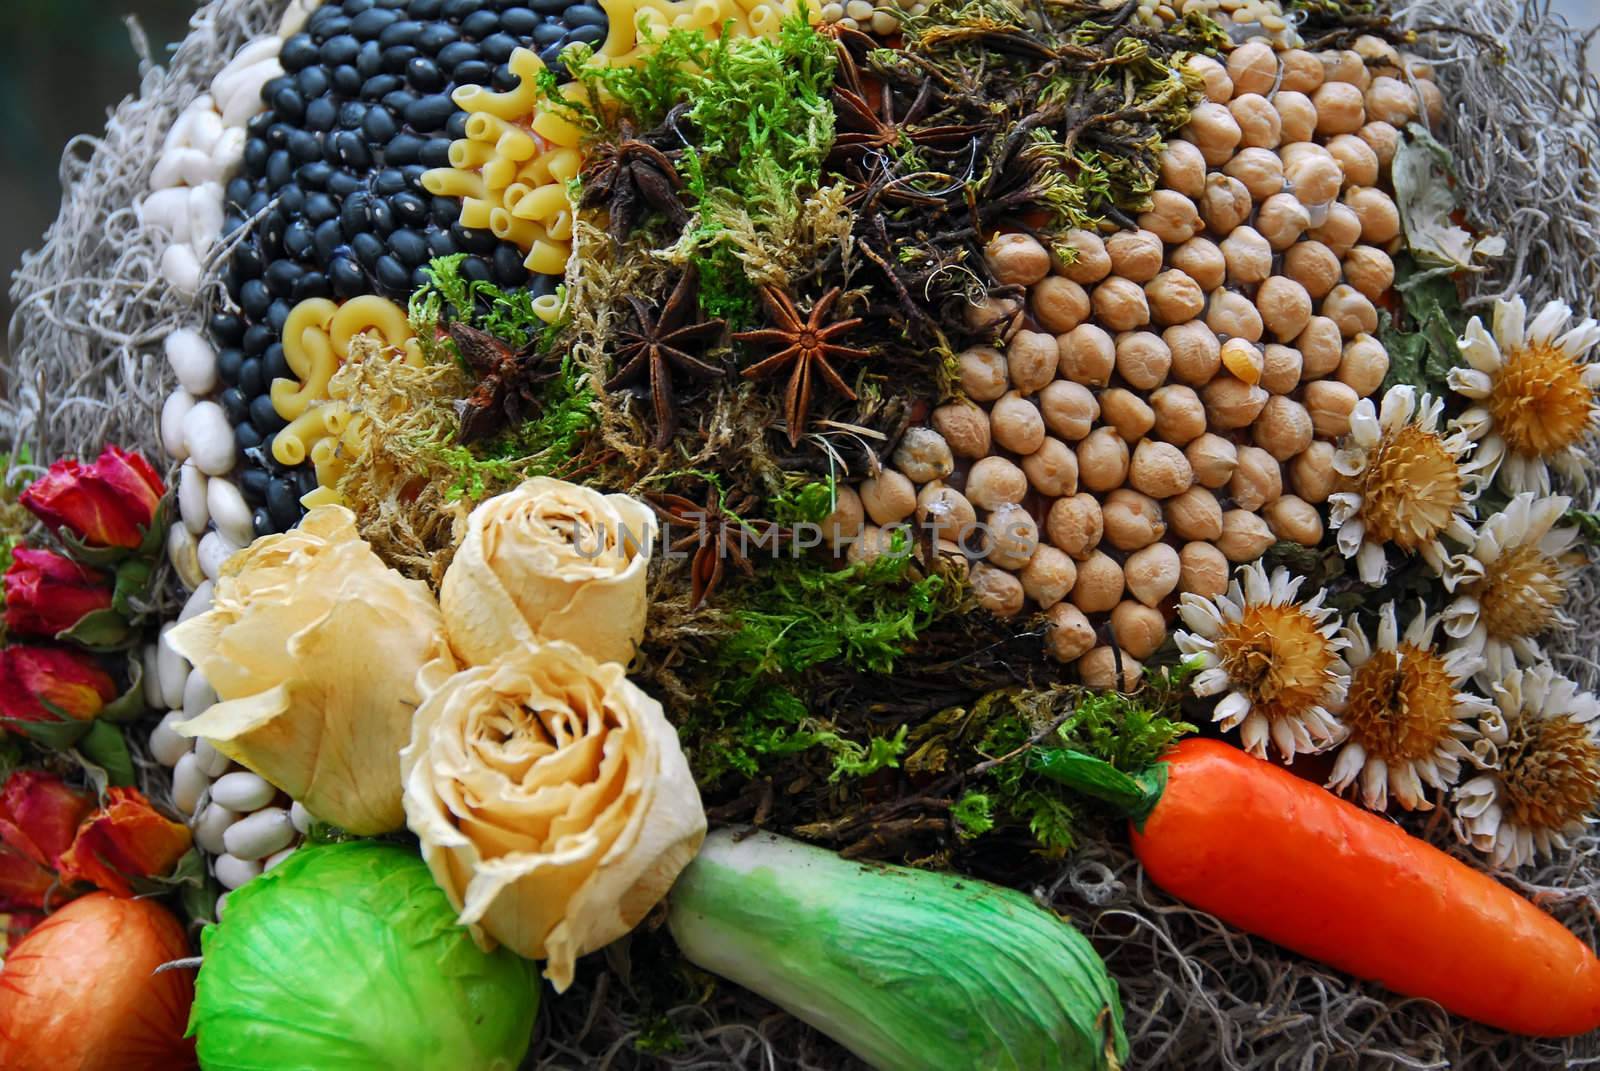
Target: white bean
173	669
199	697
152	680
214	553
193	360
229	510
204	128
189	783
243	791
181	269
184	553
294	18
229	150
173	410
167	174
192	498
232	871
205	217
195	167
167	746
208	437
222	902
301	817
179	134
167	210
260	835
199	602
278	857
240	101
250	53
212	824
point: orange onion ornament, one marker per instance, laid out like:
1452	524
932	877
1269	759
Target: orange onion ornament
80	992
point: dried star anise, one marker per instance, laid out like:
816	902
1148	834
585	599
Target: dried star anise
634	174
807	345
717	534
659	345
507	379
867	126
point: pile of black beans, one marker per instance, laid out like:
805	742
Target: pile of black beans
330	197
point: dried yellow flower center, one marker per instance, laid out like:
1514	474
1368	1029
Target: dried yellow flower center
1520	593
1278	658
1401	704
1539	402
1411	488
1549	772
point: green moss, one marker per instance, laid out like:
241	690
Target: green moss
972	815
1422	342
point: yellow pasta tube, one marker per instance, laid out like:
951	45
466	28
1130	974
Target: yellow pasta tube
564	164
475	212
448	182
499	173
621	37
536	172
765	20
542	203
321	496
514	104
513	194
466	155
485	127
554	128
294	443
319	362
369	311
548	258
560	227
311	313
547	307
516	145
525	64
511	229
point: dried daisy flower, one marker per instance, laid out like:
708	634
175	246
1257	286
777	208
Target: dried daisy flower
1541	760
1277	660
1403	713
1403	483
1537	402
1511	583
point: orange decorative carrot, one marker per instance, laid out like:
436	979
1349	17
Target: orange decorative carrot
1284	859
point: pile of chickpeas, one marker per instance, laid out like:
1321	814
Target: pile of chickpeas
1165	403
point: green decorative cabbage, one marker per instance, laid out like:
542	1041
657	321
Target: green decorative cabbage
349	957
909	969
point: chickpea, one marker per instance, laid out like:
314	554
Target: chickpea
1016	259
1352	310
1143	359
1345	66
889	497
1226	204
995	481
1202	570
1416	66
1260	125
993	314
1260	170
1283	429
1052	469
1011	536
1016	424
1048	576
982	371
1135	255
996	590
1313	266
1253	68
1329	402
1297	116
1218	86
1294	520
1364	365
1180	418
1282	220
1280	369
1376	52
1232	404
1302	72
946	512
1069	409
1340	108
1194	514
1173	297
1127	413
965	427
1285	307
1245	536
1183	168
1258	479
1090	263
1075	524
1159	469
1214	132
1432	102
1120	304
1202	261
1172	217
1380	220
924	456
949	555
1369	270
1314	177
1106	669
1031	358
1383	139
1340	231
1102	459
1355	158
1312	474
872	544
1213	459
1196	353
1140	629
1243	360
1233	315
1099	585
1069	635
1087	355
1320	346
845	520
1059	304
1132	519
1391	101
1151	574
1249	256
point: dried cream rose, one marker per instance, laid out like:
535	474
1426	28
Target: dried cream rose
313	646
550	561
553	803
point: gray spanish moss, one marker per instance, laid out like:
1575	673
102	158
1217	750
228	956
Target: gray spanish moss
86	368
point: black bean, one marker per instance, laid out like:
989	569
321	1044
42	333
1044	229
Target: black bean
369	24
231	223
549	7
226	328
281	275
393	276
409	246
313	284
329	237
305	480
251	381
419	277
460	9
283	503
280	169
340	50
472	241
298	52
297	239
332	24
278	134
425	9
549	33
499	46
275	363
355	214
235	404
380	126
584	15
403	32
277	316
588	35
435	36
352	113
312	82
247	260
424	74
476	269
356	7
261	522
347	278
382	219
347	80
253	481
551	56
351	150
430	113
456	53
436	153
389	182
238	191
369	61
314	176
403	149
320	208
410	208
272	225
479	24
396	57
508	267
273	86
413	174
397	101
474	73
518	20
228	362
256	152
263	416
322	113
342	184
543	285
456	126
440	244
367	248
254	299
379	85
445	211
